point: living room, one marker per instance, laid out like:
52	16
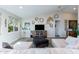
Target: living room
35	23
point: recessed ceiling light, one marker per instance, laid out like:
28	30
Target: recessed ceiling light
21	7
74	8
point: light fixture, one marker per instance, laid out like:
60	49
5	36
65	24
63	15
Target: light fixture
21	7
74	8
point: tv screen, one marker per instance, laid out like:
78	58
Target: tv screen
39	27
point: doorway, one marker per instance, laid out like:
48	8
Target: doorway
60	28
73	27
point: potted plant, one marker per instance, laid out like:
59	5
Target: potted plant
75	29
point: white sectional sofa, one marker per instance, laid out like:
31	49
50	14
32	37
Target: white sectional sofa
69	42
61	46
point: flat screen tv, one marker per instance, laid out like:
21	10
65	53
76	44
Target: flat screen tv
39	27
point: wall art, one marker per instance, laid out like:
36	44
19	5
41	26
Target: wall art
39	20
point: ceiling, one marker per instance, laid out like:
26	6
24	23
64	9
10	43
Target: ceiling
35	10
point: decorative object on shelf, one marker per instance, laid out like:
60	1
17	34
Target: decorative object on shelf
38	19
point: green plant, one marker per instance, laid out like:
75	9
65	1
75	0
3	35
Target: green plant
10	28
76	30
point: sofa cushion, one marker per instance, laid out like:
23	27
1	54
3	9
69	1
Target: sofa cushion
58	43
71	42
22	45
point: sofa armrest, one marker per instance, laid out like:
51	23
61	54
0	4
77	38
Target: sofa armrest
61	43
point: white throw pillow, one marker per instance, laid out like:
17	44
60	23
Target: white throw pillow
77	45
22	45
71	45
71	40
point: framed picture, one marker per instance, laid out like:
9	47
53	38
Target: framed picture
72	24
39	20
27	26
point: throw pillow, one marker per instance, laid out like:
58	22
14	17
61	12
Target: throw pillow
6	45
71	40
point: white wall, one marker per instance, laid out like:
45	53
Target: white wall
4	35
47	27
50	31
13	36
